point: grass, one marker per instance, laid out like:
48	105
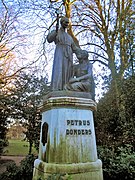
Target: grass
18	148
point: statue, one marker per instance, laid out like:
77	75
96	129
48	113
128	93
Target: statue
63	57
82	79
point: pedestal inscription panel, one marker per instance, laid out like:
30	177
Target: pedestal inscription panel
75	127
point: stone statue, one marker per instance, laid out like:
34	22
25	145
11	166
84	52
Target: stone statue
63	57
82	79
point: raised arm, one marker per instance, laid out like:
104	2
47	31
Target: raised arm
52	36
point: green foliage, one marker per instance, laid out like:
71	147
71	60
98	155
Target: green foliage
115	131
117	123
3	144
128	95
5	112
27	166
22	172
118	162
107	119
21	102
25	171
27	96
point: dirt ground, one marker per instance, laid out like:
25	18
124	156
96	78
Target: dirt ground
5	160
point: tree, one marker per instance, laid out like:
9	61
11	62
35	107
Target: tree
111	25
15	41
7	60
27	95
106	25
12	53
108	126
4	113
108	21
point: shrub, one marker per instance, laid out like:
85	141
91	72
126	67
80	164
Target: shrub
118	162
3	144
22	172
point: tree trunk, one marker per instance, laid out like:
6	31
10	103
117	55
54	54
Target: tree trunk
30	147
68	6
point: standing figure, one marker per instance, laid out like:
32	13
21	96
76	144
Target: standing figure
63	57
82	79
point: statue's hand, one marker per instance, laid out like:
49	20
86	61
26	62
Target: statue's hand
72	80
78	79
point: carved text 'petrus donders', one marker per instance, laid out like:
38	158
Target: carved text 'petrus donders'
73	130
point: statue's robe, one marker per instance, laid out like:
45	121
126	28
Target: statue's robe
63	58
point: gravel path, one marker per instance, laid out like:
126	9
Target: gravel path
5	160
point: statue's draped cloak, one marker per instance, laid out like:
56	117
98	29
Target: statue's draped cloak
63	59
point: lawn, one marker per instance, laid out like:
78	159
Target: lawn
18	148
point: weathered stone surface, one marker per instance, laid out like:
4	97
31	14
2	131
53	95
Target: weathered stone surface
71	136
66	93
69	146
79	171
67	99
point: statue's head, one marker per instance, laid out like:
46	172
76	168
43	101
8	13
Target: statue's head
82	55
64	22
85	54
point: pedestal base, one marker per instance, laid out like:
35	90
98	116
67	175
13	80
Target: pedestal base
78	171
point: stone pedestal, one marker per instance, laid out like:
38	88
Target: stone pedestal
67	139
